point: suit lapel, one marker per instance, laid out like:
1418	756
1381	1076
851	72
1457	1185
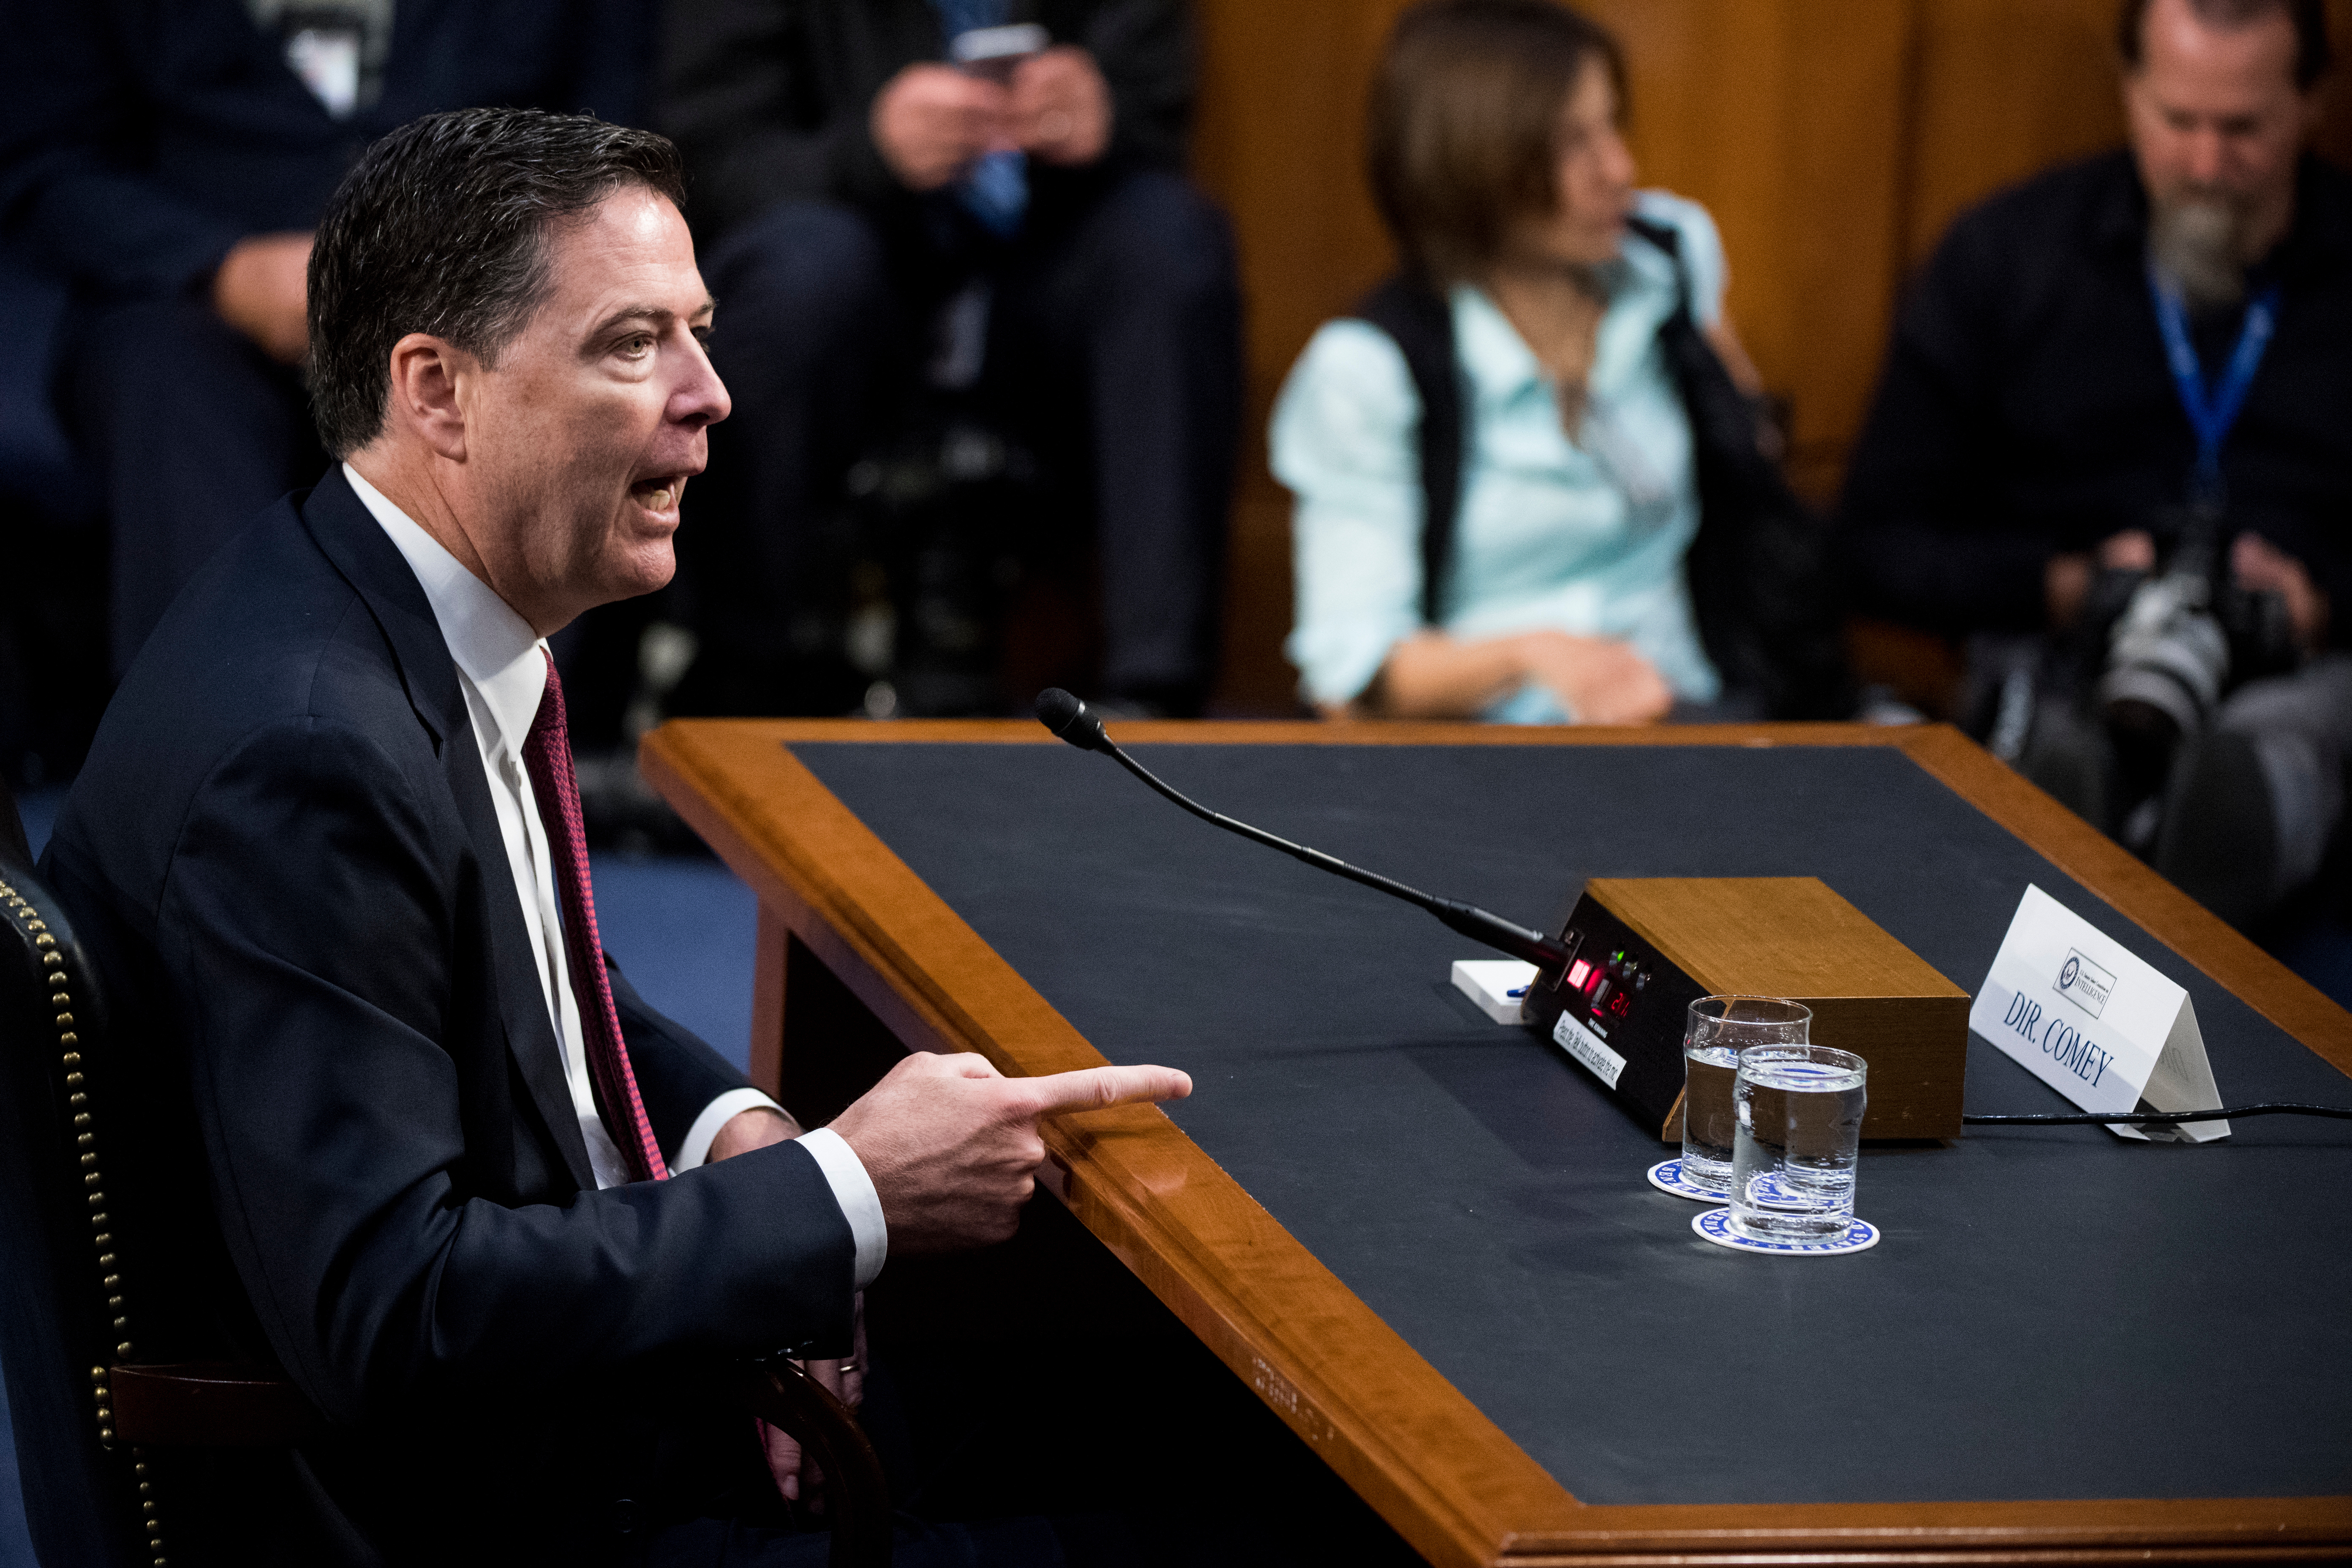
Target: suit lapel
373	565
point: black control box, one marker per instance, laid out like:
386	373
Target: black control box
1619	1011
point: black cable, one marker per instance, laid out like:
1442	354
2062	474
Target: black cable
2341	1112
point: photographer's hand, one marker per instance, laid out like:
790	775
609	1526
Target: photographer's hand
2066	580
2264	568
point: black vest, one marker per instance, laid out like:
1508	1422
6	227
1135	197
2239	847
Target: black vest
1757	571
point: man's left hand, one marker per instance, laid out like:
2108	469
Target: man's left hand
2263	567
1061	107
796	1476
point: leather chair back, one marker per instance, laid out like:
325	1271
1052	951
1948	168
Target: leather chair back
67	1288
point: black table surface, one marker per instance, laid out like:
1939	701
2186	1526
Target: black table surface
2053	1313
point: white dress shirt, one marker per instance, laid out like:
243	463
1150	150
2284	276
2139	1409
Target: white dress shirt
502	669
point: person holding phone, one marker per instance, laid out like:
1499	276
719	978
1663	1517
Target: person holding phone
988	196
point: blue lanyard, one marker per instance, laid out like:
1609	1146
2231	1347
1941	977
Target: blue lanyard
2211	411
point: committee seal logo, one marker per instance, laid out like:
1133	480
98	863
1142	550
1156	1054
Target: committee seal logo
2085	983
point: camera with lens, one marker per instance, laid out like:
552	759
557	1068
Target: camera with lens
2179	638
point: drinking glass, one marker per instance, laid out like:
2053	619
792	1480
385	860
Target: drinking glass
1719	1028
1799	1112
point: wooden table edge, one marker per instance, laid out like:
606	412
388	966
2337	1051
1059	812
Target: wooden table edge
1104	1163
1107	1159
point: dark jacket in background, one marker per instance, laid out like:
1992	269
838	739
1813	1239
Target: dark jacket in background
140	139
351	1136
770	98
2026	408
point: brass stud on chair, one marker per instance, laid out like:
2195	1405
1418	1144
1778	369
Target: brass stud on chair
78	1100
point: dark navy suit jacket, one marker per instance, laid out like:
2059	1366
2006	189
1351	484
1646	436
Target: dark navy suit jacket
142	138
354	1117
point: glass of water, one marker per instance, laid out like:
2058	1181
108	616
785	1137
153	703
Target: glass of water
1719	1030
1799	1114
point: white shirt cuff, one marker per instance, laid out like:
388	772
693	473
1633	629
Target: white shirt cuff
853	1189
715	1115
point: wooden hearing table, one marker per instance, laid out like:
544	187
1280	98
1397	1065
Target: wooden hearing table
1437	1466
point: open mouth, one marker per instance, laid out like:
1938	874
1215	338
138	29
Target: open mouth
658	492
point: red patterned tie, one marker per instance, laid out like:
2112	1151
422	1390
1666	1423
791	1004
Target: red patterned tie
546	757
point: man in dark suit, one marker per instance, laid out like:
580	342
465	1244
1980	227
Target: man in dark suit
1014	230
495	1217
170	162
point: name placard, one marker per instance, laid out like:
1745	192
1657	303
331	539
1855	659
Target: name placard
2095	1023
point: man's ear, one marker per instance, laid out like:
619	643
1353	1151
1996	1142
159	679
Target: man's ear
425	373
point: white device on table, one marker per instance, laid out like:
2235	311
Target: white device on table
1496	984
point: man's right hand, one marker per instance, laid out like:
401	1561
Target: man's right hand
2066	580
952	1145
263	290
932	122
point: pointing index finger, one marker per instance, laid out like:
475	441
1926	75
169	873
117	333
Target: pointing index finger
1093	1088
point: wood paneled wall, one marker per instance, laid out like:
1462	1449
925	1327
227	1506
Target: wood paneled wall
1833	140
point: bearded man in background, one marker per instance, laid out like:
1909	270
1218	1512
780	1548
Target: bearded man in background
2110	448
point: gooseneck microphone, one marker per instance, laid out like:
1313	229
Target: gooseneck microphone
1070	720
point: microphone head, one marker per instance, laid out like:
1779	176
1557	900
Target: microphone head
1069	719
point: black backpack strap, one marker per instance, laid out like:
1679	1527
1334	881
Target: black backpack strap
1668	239
1758	571
1420	320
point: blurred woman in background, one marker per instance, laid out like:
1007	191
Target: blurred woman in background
1524	344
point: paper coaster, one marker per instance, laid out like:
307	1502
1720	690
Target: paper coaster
1668	1178
1715	1226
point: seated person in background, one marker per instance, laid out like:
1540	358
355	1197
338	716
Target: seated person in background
171	161
2113	424
408	1131
851	186
1548	286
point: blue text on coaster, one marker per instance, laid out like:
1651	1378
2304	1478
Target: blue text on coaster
1715	1226
1669	1178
